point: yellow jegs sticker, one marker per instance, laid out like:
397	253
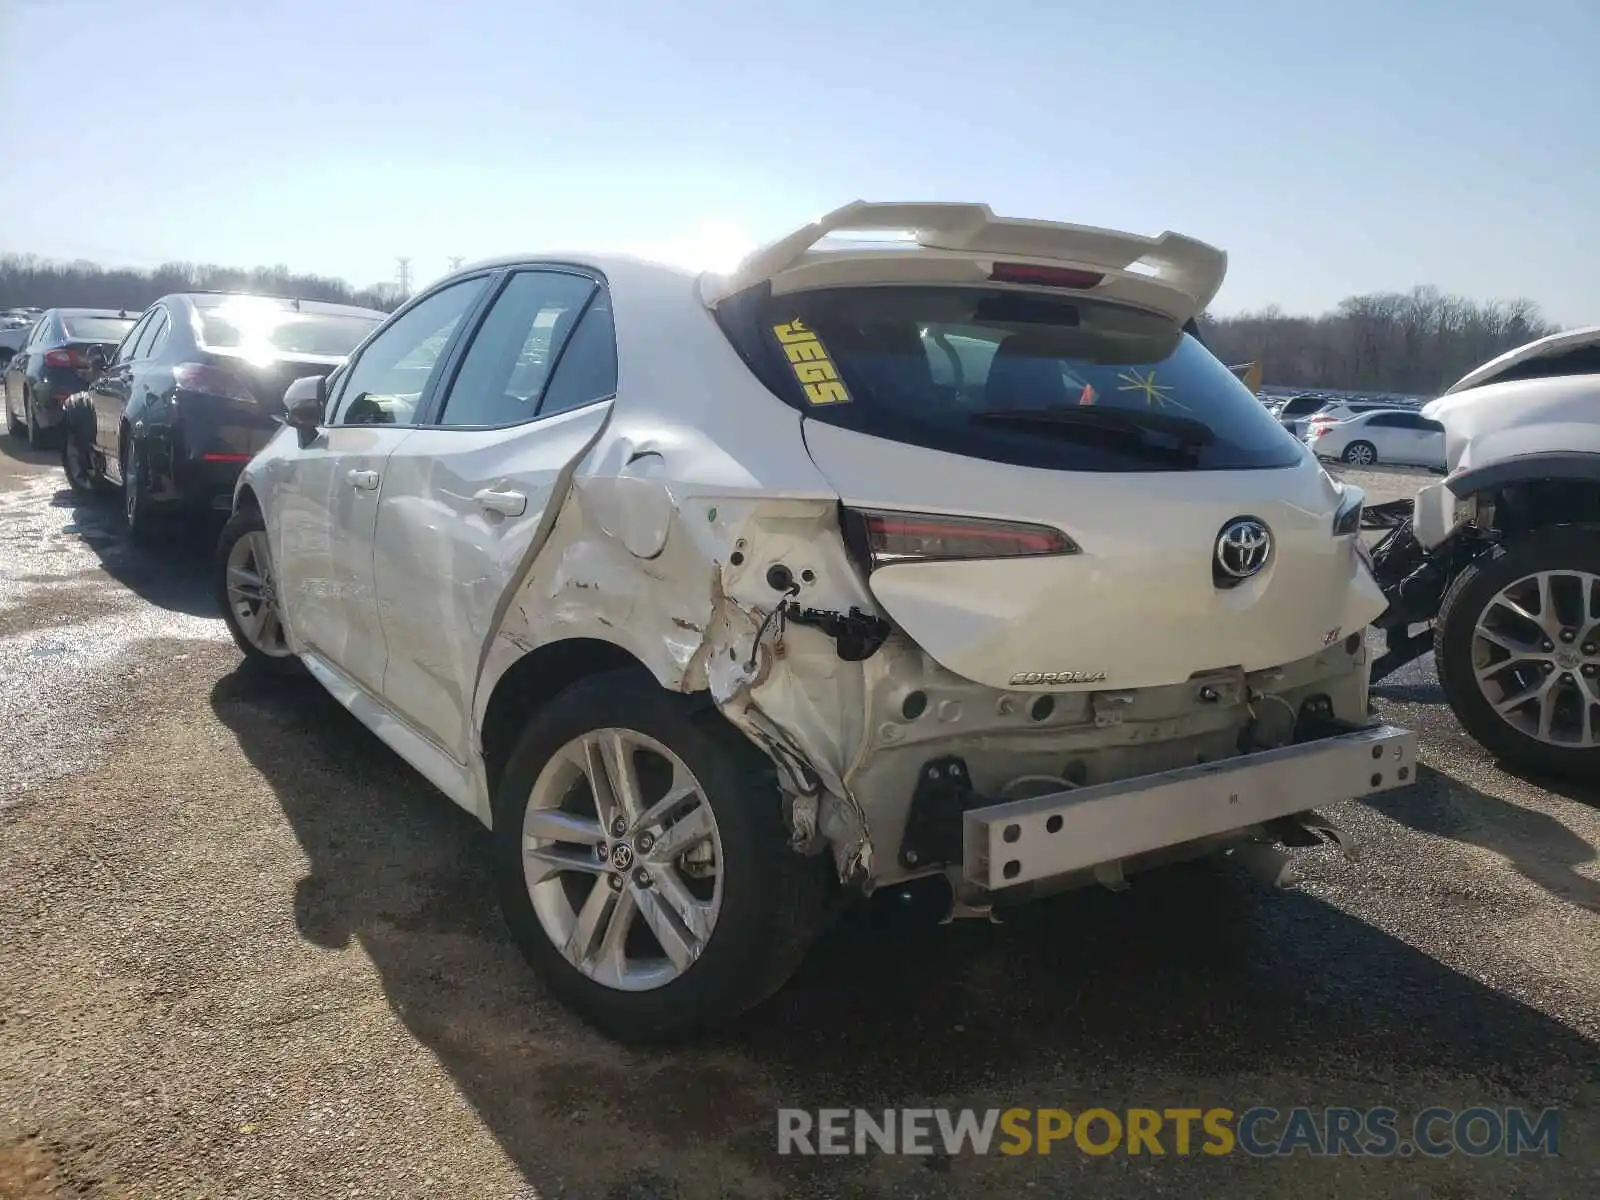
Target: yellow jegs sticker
812	366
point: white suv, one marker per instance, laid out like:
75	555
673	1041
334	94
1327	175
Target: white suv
954	558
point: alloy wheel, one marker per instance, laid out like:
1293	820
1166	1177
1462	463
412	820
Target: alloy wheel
253	597
1536	657
622	859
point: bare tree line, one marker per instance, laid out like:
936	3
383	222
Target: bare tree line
29	281
1414	343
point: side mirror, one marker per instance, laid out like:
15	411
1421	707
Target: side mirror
305	404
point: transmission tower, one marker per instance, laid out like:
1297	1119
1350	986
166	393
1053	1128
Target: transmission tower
405	276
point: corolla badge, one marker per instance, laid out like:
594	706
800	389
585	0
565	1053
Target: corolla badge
1243	548
1053	678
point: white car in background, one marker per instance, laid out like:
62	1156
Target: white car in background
1402	437
954	561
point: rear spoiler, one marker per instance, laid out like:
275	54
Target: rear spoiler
1172	262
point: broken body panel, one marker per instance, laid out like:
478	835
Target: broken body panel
692	526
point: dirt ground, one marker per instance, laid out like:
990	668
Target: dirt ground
245	951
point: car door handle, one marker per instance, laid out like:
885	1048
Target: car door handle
511	504
365	480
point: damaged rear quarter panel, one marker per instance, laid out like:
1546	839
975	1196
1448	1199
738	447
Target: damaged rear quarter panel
675	539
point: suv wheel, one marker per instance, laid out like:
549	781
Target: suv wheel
246	589
643	864
1360	454
1517	645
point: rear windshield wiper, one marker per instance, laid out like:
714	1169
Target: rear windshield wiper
1185	430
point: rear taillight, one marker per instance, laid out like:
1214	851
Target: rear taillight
64	358
210	381
1066	277
880	538
1347	519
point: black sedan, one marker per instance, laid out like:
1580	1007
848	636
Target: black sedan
193	391
54	362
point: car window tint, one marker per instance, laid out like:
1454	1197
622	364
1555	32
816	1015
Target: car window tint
142	349
1025	378
130	343
159	328
503	374
587	369
387	382
82	328
1428	426
1383	421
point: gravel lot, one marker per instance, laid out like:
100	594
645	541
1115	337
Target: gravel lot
246	952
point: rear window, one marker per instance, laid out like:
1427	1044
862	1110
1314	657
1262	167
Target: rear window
1581	360
1015	377
97	329
1301	405
247	329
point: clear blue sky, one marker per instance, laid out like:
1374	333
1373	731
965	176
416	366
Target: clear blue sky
1330	148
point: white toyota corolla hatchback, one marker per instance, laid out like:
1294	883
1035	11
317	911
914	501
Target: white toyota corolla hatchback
947	553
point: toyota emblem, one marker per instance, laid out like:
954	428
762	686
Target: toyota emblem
1243	548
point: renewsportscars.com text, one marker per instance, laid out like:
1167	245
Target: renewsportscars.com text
1260	1132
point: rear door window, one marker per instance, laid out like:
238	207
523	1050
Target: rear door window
1019	377
507	368
130	344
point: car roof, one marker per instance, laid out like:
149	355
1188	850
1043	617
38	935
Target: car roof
204	300
1556	343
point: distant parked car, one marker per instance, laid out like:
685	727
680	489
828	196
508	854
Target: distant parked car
53	363
1295	411
1343	410
11	339
1398	436
193	391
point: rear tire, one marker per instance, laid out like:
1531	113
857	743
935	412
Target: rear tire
138	511
1474	603
38	436
245	585
14	427
77	464
1360	454
768	901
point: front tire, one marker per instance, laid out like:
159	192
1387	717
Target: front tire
671	909
246	591
1517	646
1360	454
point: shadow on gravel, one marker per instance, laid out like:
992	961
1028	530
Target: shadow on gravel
17	450
1196	986
174	573
1544	850
1410	693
